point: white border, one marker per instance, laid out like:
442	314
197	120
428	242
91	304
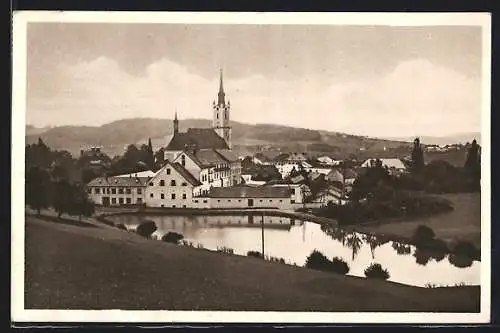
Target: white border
20	21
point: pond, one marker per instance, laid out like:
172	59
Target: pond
294	240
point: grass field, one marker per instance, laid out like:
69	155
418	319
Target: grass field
73	267
464	222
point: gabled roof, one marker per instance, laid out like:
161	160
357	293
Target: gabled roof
208	157
203	138
386	162
119	181
186	174
250	192
228	155
147	173
182	171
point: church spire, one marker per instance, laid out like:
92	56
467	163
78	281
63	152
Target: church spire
221	91
176	124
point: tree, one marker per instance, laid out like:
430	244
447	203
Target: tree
37	188
63	197
472	165
159	159
81	204
417	157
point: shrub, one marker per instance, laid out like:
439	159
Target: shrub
121	226
423	235
146	228
338	265
316	260
375	271
465	249
256	254
172	237
225	250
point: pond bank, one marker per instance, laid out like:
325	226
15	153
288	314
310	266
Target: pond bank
115	269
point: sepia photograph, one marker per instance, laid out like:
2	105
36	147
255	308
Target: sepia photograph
251	167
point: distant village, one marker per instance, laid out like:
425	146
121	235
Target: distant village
200	170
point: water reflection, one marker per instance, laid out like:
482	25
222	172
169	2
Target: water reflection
294	240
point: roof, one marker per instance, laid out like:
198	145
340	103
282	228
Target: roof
208	157
250	192
147	173
387	162
298	179
185	174
228	155
297	157
119	181
203	138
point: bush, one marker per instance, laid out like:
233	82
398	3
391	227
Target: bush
423	235
256	254
172	237
316	260
121	226
466	249
375	271
146	228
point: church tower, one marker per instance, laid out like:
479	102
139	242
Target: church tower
221	115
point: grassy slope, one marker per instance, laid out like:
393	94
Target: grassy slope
464	222
70	267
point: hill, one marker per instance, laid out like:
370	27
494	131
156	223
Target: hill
444	140
247	138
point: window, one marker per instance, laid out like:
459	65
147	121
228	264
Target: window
151	195
183	206
260	200
139	200
173	206
225	115
89	190
183	160
139	191
293	191
168	171
108	190
162	205
120	190
172	182
128	191
113	190
228	200
162	196
120	201
97	190
173	196
184	196
217	115
281	200
270	200
184	184
218	200
150	183
204	201
196	201
162	182
239	200
292	201
113	201
129	201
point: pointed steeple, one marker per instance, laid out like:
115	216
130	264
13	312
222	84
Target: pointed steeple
221	91
176	124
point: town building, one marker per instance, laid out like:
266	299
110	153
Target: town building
393	165
172	186
211	167
117	191
251	197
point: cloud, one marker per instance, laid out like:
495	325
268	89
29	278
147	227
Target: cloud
417	97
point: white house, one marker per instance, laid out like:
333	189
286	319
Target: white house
250	197
327	160
117	191
394	165
345	176
213	168
172	186
331	194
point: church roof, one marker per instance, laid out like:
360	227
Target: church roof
228	155
202	138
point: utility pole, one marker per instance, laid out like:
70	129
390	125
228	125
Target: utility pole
262	227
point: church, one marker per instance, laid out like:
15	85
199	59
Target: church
217	137
207	152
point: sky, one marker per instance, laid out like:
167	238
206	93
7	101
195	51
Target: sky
366	80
